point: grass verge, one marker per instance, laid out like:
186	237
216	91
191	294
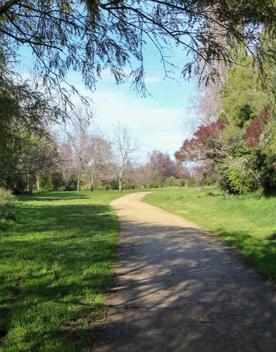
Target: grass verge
245	222
55	268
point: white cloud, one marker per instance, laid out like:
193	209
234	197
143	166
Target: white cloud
155	127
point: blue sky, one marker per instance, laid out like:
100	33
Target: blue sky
159	121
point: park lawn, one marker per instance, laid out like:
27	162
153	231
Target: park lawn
55	268
245	222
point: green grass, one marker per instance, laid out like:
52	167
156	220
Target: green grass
55	268
245	222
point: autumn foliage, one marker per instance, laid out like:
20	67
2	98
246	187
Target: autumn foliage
194	149
254	130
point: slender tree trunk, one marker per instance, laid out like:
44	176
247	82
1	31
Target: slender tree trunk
38	182
78	182
91	182
30	182
120	184
120	178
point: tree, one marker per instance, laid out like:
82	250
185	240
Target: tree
160	170
239	145
90	36
162	165
124	149
205	145
37	156
25	117
242	95
78	144
100	160
66	165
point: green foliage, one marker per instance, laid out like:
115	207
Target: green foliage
54	181
269	176
55	268
242	94
174	182
249	139
238	179
8	213
5	196
246	222
206	179
245	114
191	182
91	36
7	210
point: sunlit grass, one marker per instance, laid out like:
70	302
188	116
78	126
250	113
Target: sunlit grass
55	268
245	222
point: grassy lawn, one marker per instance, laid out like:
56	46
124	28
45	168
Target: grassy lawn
245	222
55	267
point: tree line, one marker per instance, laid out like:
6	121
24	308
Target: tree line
80	157
235	145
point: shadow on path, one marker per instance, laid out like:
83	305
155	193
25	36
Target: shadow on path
178	289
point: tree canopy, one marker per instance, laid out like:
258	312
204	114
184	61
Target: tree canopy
89	36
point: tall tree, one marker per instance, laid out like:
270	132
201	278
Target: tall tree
78	143
25	117
162	165
100	160
124	148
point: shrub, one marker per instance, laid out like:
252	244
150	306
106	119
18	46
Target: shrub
6	207
269	175
71	183
54	182
5	196
238	180
174	182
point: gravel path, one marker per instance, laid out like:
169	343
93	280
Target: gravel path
180	289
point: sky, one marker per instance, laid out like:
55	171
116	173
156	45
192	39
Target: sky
159	121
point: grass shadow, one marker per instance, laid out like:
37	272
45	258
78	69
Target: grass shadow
53	196
55	266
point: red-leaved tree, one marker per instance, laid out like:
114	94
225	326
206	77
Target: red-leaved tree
204	144
255	129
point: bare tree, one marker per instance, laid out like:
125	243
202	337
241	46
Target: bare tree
65	160
100	157
78	143
163	166
124	148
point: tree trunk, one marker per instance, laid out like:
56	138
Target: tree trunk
120	185
37	182
30	181
78	182
91	183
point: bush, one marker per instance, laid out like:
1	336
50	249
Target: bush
269	176
174	182
5	196
71	183
6	207
191	182
53	182
238	180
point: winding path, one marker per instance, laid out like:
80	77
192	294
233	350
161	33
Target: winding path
181	289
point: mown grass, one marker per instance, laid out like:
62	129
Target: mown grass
55	268
245	222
